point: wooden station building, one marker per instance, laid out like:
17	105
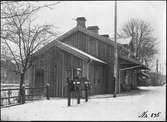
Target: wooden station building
83	47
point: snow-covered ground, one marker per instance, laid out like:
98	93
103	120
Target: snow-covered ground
126	106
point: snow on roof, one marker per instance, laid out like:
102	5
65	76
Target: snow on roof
125	40
68	33
76	51
75	29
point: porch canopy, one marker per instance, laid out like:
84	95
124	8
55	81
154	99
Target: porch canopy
129	63
70	49
77	52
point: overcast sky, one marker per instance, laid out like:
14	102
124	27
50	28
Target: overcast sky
101	13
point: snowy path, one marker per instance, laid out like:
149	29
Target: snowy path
102	107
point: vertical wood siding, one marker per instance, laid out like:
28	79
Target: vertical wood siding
98	49
57	68
57	64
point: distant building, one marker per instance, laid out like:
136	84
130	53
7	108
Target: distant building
83	47
8	72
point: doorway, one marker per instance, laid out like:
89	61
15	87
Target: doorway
39	80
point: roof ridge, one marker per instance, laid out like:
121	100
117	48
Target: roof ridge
100	37
84	30
61	37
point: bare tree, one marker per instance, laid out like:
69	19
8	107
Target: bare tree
21	36
20	4
5	60
143	41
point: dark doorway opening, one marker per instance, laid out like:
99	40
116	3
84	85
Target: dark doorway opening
39	81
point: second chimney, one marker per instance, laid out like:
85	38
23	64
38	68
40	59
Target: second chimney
94	29
81	22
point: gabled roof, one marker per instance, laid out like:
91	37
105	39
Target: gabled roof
87	32
74	51
84	30
90	33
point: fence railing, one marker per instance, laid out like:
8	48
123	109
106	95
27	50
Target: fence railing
10	97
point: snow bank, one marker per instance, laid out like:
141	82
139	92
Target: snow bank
97	108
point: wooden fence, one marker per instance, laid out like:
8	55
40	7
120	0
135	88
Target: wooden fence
10	96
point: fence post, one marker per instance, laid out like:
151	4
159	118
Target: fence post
47	91
68	92
86	94
78	93
9	93
69	96
2	101
23	94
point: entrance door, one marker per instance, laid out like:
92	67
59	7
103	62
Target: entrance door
55	82
96	76
99	79
39	80
96	81
92	79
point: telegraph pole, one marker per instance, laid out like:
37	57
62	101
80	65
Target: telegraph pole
160	73
157	65
157	68
160	69
115	52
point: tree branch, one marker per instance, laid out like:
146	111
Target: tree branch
12	54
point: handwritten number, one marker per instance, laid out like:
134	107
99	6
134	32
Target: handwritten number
152	115
145	115
155	114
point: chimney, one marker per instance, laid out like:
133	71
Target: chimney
94	29
105	35
81	22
